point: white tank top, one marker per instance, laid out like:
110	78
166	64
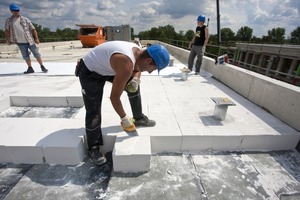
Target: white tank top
98	59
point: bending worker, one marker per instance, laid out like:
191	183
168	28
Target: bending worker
121	63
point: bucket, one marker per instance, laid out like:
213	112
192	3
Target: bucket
184	75
171	62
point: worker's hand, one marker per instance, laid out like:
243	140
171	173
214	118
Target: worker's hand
127	124
133	85
191	45
203	49
36	40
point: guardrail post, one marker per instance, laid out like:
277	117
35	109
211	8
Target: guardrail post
269	66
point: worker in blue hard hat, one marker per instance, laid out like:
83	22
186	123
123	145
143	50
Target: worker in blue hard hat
120	63
19	30
198	44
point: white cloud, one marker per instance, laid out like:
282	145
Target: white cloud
104	5
142	15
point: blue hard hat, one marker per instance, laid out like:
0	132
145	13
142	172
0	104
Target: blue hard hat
160	55
201	18
14	7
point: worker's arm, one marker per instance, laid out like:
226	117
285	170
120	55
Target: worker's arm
123	67
136	71
206	36
136	74
206	40
35	36
133	85
7	37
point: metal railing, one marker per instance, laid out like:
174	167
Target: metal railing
214	51
282	76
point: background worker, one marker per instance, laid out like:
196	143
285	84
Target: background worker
197	45
19	30
121	63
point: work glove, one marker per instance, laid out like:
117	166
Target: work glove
127	124
203	49
133	85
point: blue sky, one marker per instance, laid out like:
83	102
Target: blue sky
142	15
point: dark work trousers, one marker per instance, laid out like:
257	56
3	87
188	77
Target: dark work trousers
195	51
92	85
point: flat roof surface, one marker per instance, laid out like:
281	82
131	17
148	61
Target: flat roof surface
180	108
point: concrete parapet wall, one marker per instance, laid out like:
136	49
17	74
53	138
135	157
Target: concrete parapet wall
279	98
180	54
145	42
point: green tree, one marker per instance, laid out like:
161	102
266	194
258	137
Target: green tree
244	34
256	39
153	33
132	33
266	38
276	35
295	36
143	35
38	28
168	32
67	33
227	35
162	33
189	35
213	39
2	34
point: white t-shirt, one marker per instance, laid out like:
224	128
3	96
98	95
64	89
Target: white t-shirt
98	59
19	31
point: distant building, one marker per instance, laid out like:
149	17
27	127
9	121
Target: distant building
122	32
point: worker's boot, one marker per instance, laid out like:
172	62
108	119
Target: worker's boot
96	156
144	121
29	70
44	69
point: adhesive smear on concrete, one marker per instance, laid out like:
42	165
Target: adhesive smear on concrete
39	112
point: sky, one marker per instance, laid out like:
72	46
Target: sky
142	15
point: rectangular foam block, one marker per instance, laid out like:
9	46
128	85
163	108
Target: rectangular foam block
132	154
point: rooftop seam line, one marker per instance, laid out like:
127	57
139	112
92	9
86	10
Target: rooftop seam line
200	182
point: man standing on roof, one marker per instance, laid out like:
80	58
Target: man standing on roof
120	63
197	45
19	30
